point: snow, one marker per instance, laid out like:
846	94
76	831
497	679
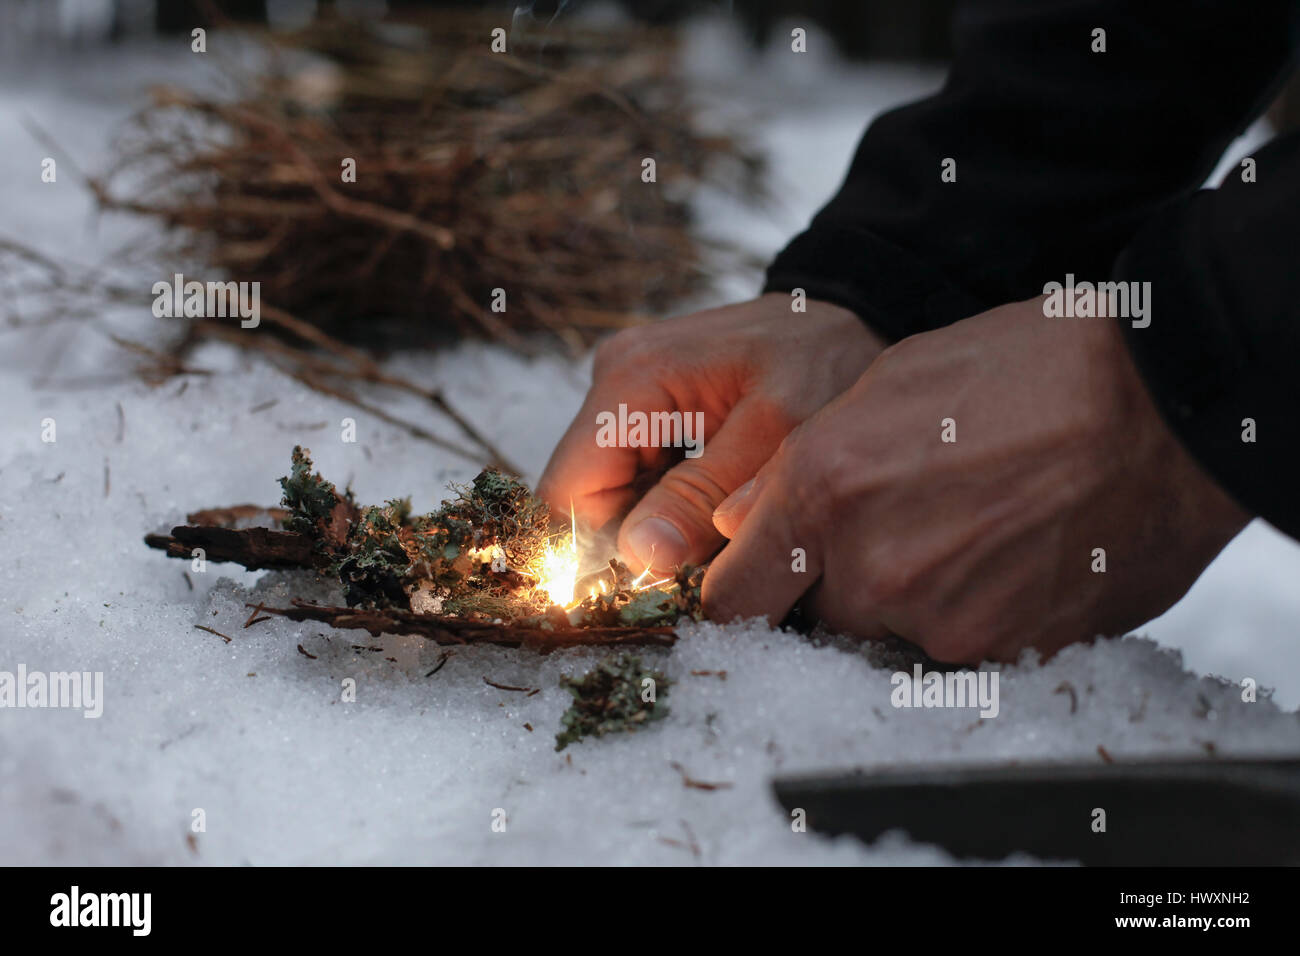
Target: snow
259	737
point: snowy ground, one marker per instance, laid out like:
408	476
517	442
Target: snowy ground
256	735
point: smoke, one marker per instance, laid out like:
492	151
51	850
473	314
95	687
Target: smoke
526	15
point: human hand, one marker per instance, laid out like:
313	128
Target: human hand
755	370
982	546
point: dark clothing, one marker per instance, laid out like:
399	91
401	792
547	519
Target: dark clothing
1070	161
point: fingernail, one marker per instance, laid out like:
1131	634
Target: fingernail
657	539
734	499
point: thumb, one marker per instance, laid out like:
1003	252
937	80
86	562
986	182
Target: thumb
673	523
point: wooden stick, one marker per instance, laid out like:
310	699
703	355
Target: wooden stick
254	548
454	630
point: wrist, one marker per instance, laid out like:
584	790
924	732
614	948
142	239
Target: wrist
833	321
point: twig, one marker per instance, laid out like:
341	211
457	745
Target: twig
1065	687
692	844
454	630
303	368
204	627
687	781
442	662
253	618
490	683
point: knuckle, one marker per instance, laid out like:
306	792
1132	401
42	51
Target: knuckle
957	638
945	645
899	353
777	413
890	581
841	480
627	346
696	489
717	594
791	446
803	481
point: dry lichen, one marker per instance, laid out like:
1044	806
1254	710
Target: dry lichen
479	555
309	497
475	555
612	698
622	603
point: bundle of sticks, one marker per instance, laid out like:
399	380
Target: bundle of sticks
382	181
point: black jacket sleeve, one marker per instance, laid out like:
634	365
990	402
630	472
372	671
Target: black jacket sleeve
1221	356
1067	158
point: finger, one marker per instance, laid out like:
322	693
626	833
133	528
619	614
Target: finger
838	603
760	573
673	524
599	482
727	517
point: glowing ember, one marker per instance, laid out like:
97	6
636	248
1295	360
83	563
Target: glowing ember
559	571
558	575
492	555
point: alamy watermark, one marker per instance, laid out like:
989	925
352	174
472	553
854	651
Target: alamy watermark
74	908
1115	300
946	689
208	300
76	690
651	430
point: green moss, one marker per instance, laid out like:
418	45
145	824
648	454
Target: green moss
440	549
622	605
382	554
610	699
502	511
649	608
377	563
309	497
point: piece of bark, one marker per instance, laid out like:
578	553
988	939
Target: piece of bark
229	517
455	630
335	529
255	548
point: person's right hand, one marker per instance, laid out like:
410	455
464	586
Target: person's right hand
756	370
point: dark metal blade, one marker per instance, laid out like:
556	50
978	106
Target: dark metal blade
1159	813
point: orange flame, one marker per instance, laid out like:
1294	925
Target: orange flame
559	567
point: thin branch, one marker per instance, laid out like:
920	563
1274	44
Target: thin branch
454	630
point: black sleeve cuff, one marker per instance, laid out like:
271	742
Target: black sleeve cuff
893	291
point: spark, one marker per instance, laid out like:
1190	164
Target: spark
646	573
559	566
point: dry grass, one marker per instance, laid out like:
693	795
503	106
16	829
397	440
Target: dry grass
475	171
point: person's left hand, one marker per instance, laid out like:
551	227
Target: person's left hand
979	547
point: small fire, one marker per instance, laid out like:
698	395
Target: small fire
559	571
558	574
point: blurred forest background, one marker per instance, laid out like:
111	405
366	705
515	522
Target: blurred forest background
914	29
